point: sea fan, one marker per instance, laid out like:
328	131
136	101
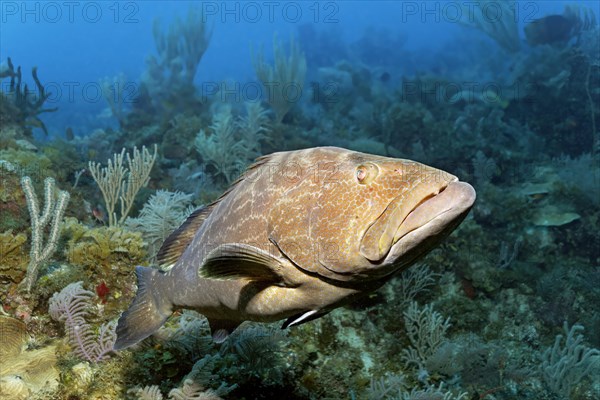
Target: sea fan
147	393
222	148
161	215
191	390
71	305
191	337
258	347
253	127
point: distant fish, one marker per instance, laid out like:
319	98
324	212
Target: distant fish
99	214
549	30
4	70
298	235
69	134
385	77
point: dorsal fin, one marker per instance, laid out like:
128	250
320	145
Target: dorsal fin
179	240
258	162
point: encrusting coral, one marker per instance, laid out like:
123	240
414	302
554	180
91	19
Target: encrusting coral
103	249
13	259
24	373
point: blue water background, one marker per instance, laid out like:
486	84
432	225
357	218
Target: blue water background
75	44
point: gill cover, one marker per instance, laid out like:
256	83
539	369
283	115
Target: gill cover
307	222
319	219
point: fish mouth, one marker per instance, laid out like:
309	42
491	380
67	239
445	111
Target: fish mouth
430	221
419	216
383	233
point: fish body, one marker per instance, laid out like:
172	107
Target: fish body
299	234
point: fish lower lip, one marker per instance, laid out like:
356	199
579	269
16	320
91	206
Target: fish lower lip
411	223
453	197
379	237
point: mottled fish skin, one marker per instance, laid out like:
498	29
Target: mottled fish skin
313	229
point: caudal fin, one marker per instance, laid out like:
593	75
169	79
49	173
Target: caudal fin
148	312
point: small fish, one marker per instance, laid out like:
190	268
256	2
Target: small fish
385	77
69	135
298	235
99	214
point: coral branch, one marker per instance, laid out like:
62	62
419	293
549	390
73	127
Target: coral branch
40	254
112	184
284	80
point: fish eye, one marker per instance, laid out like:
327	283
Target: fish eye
361	173
365	173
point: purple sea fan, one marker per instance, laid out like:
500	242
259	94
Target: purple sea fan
71	305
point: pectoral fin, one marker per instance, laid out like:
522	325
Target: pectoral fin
237	260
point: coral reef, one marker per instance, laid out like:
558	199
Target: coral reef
53	210
115	188
284	81
496	312
20	106
102	249
13	259
162	214
564	367
232	145
502	28
71	306
25	373
167	84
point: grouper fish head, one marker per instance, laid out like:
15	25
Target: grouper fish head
352	216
